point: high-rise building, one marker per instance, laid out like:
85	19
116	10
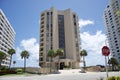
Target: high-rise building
59	29
112	22
7	35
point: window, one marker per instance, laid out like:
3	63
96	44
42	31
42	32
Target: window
47	18
41	59
117	50
115	41
117	47
113	32
110	18
115	38
112	26
61	32
47	13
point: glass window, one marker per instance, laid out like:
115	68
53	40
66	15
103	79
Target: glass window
61	33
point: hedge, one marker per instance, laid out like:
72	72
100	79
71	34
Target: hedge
3	72
114	78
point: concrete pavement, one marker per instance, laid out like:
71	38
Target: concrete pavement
64	75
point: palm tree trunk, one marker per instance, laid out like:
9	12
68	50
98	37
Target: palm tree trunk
58	66
50	65
10	62
84	62
24	65
112	67
0	62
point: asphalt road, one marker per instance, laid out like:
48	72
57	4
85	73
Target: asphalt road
64	75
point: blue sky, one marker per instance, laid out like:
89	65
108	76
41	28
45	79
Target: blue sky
24	16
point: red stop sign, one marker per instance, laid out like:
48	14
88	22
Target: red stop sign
105	51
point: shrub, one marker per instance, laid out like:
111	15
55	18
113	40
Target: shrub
19	70
3	72
4	68
114	78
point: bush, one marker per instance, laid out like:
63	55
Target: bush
4	68
114	78
3	72
19	70
67	67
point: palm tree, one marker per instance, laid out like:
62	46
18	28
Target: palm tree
113	62
11	52
2	56
59	52
25	55
83	53
51	54
118	12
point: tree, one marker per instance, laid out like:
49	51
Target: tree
83	53
51	54
118	12
113	62
2	56
59	52
11	52
25	55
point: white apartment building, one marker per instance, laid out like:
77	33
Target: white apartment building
112	23
7	36
59	29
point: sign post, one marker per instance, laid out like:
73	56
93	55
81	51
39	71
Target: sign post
106	52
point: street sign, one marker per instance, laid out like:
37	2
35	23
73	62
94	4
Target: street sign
105	51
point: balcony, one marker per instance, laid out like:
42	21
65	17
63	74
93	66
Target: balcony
42	27
42	14
41	35
41	54
41	49
41	40
41	44
42	30
42	22
42	18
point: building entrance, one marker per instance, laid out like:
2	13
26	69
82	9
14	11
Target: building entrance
62	65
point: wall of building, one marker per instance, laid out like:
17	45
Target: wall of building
7	37
112	23
60	35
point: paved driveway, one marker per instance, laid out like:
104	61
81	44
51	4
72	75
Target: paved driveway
64	75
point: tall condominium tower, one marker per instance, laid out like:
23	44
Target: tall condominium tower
59	29
7	35
112	22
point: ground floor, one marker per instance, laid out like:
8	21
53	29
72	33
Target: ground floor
62	63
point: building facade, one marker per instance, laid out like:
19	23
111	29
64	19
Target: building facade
7	37
112	23
59	29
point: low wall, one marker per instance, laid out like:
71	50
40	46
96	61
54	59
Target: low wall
39	70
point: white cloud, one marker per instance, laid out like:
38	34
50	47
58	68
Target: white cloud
32	47
93	45
83	23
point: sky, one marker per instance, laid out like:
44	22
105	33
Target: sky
24	16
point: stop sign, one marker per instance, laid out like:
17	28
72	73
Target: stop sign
105	51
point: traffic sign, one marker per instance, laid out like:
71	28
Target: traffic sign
105	51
